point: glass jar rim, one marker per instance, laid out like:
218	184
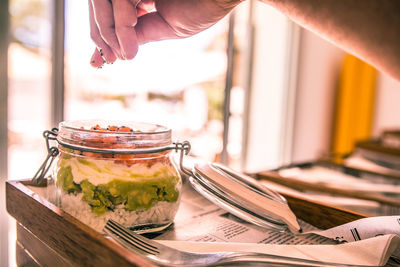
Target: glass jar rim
81	136
138	127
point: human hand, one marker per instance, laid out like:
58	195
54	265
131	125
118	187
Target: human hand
118	27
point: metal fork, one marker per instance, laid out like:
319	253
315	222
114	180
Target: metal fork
167	256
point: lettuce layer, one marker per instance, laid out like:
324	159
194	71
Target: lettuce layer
133	195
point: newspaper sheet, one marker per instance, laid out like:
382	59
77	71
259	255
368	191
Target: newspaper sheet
200	220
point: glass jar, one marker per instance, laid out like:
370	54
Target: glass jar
117	170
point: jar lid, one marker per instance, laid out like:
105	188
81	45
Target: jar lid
107	137
242	196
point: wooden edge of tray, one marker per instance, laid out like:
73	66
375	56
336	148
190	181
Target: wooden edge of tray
328	162
357	169
31	251
320	215
394	131
311	186
378	147
74	241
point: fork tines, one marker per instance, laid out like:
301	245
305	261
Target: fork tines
131	238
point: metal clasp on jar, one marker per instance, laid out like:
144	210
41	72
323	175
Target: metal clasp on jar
52	153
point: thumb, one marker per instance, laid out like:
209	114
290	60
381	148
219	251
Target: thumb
152	27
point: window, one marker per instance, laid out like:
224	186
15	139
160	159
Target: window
29	76
29	71
178	83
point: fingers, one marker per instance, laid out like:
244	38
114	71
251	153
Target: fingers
103	17
152	27
104	53
97	60
125	19
113	30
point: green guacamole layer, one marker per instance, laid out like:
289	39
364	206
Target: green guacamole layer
135	194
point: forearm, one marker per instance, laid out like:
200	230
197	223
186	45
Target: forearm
370	29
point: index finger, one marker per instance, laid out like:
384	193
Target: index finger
103	15
107	53
125	19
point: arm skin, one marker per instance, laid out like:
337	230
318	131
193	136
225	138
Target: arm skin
370	29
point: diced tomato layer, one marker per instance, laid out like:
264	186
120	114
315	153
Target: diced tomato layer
111	142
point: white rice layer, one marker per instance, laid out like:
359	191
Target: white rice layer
161	213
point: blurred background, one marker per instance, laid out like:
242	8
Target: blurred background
254	92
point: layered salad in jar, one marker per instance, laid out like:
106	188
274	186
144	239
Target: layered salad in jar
140	191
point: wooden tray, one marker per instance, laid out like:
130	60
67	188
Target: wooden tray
48	236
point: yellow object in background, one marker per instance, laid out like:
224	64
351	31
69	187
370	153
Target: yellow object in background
354	106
